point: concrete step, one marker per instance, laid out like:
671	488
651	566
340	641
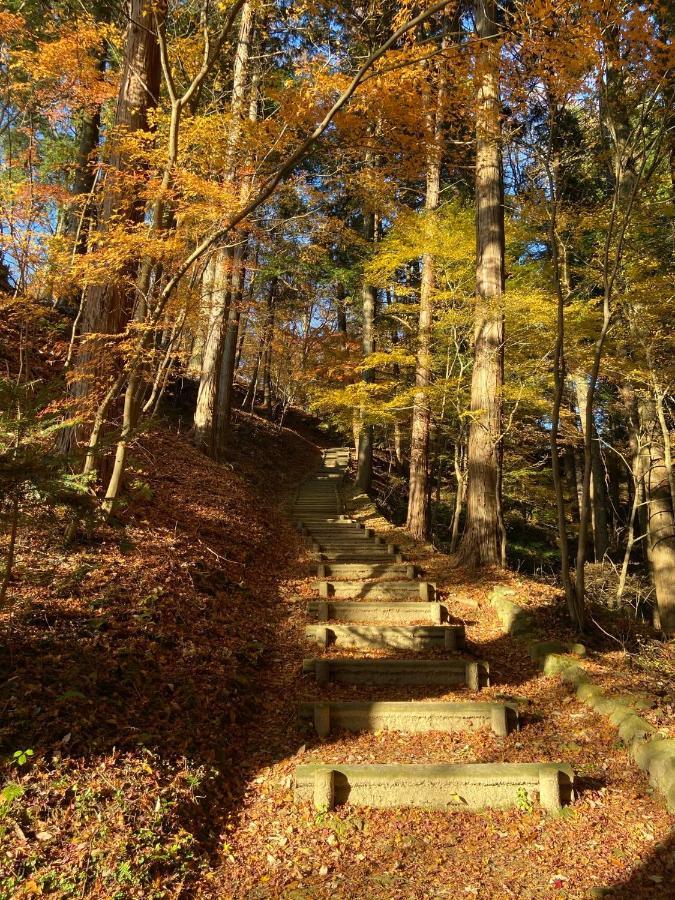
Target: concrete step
392	612
357	553
349	545
447	672
388	637
410	716
357	556
376	590
327	493
333	525
326	518
344	539
318	505
365	570
441	787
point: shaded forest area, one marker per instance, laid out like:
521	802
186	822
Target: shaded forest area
231	232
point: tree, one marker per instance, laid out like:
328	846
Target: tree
483	539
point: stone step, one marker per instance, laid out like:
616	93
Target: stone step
392	612
358	556
318	505
410	716
388	637
447	672
331	539
356	547
344	539
365	570
375	590
327	493
332	518
440	787
332	525
357	544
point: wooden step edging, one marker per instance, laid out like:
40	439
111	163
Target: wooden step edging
473	674
424	590
439	787
393	612
410	716
395	637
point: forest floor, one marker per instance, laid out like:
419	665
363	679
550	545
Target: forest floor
155	673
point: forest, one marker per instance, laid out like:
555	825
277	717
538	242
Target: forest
440	234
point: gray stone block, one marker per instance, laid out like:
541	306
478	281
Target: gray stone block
410	716
376	590
447	672
439	787
367	569
392	612
395	637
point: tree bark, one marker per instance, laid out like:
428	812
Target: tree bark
212	353
481	540
107	307
206	424
598	494
417	522
660	519
226	374
364	471
267	347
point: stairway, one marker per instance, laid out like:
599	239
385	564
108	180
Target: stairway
370	598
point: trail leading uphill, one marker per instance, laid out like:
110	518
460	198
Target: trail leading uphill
346	550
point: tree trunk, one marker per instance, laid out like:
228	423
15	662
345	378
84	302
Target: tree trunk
107	307
226	373
205	409
460	476
364	471
267	355
417	522
660	519
598	493
481	541
341	312
208	401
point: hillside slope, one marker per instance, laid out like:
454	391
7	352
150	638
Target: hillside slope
132	666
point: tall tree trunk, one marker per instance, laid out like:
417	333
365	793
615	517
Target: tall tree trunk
481	541
364	472
341	312
660	519
107	307
598	494
208	401
417	522
267	345
205	409
226	374
460	477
